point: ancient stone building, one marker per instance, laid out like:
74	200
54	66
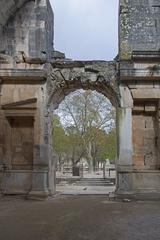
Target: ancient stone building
34	79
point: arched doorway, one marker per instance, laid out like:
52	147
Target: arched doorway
69	76
84	143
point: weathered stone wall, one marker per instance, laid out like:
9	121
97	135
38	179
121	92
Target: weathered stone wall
8	8
139	44
141	75
145	154
32	86
139	26
68	76
22	137
26	45
27	29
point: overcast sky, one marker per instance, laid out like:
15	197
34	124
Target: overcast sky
86	29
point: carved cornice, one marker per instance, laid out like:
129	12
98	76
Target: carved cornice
21	108
22	75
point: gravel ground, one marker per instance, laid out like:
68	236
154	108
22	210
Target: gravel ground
78	218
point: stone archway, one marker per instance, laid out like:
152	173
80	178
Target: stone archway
46	91
69	76
33	82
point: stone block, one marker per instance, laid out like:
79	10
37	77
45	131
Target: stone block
138	108
125	136
16	182
150	108
145	94
40	187
124	182
29	31
138	30
146	180
126	97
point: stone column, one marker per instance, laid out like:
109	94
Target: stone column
1	131
125	136
40	173
158	128
125	148
1	127
52	160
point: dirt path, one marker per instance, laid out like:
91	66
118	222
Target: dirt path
78	218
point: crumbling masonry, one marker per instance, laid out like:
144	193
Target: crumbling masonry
34	79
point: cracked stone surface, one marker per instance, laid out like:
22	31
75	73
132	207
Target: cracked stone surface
68	76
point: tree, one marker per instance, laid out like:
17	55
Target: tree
99	146
75	145
60	141
87	116
111	145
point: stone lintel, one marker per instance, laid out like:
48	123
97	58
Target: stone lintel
139	75
67	64
80	64
22	75
145	107
146	94
21	108
146	56
25	104
19	113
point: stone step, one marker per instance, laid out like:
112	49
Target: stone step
95	182
89	182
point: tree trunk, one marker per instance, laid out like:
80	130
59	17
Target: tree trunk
89	157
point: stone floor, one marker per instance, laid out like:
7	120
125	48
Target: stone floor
78	218
73	189
84	190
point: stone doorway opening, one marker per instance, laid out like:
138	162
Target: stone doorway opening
82	77
85	144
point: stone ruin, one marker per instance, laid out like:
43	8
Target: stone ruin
34	79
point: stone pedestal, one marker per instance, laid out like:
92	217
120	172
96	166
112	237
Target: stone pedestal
16	181
139	184
39	184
